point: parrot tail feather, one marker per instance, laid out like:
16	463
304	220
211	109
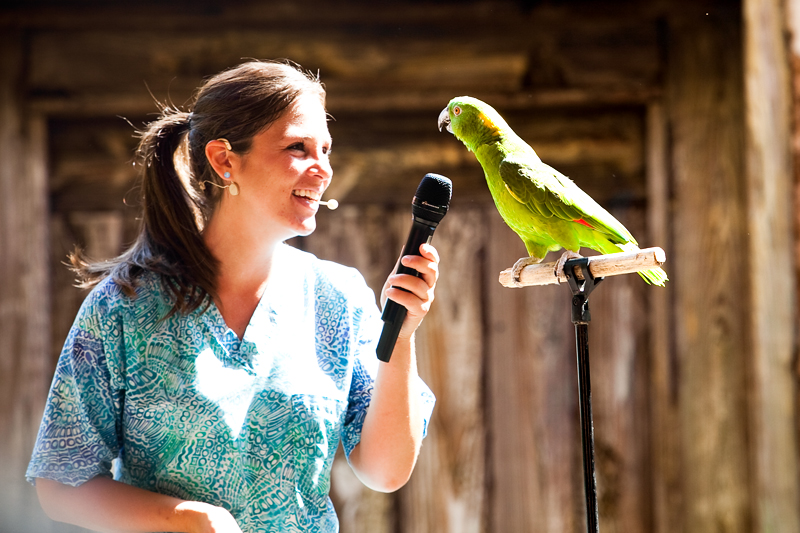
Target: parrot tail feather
655	276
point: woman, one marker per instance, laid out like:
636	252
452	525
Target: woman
220	366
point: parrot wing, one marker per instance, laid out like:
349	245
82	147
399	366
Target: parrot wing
547	192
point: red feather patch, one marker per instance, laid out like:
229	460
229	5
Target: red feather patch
581	221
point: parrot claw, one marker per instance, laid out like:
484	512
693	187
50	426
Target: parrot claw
566	256
516	270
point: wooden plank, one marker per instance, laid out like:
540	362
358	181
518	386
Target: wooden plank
773	381
174	16
375	159
399	60
25	359
104	61
534	476
356	99
619	357
666	503
446	492
389	17
793	22
101	233
704	80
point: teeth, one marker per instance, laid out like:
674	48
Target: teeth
307	193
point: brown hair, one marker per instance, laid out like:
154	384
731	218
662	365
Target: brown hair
235	104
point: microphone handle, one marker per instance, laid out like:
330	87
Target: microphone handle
394	314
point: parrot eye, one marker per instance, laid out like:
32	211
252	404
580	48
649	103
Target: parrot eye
456	110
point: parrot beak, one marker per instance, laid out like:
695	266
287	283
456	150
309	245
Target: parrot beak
444	120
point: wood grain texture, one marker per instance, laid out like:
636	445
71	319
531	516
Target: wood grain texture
619	363
397	46
705	100
665	471
773	418
695	391
534	444
446	492
25	368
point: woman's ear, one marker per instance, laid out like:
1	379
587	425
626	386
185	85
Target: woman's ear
220	156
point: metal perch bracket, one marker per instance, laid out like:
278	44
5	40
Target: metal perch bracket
581	287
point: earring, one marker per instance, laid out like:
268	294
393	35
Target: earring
232	187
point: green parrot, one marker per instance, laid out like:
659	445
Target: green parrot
544	207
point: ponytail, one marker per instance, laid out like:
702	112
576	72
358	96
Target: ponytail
170	240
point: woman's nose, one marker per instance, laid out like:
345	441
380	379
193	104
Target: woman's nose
322	166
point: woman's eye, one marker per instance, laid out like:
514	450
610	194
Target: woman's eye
297	146
326	150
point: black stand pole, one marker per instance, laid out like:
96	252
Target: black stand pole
581	317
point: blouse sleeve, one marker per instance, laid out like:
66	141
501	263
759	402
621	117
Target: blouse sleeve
368	325
80	431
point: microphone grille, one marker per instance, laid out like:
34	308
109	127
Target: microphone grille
435	190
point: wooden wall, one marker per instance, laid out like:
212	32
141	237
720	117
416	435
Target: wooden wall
25	356
654	108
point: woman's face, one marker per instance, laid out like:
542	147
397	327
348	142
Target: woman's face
287	170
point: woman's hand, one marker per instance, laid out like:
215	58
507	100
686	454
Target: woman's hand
420	295
206	518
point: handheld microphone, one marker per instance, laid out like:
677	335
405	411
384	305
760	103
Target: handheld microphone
428	208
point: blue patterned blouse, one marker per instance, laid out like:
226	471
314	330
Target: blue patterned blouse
193	412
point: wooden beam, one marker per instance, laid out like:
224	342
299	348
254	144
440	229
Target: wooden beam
705	105
344	99
446	493
533	475
25	359
773	384
666	499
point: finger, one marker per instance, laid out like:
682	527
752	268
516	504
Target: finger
416	306
413	284
429	251
428	269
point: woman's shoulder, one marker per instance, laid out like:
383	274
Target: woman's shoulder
109	296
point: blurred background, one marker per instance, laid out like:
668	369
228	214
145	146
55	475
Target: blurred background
677	116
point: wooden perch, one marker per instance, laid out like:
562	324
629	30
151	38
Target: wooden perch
599	266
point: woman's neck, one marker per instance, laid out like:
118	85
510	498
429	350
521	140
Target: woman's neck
245	260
